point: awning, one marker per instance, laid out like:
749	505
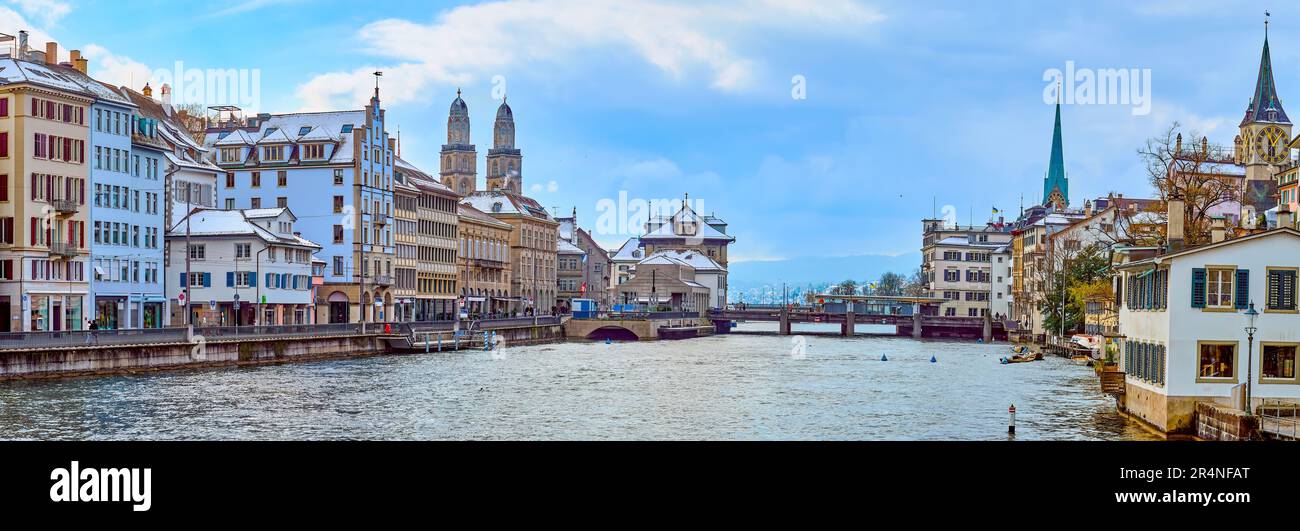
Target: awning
475	299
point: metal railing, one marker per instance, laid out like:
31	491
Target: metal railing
82	338
63	249
1278	418
64	206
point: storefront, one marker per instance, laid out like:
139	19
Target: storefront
55	312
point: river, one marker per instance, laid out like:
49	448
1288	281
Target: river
722	387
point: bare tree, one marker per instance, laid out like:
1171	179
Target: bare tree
1194	173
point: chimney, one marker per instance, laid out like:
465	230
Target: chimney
1174	229
51	53
166	94
1285	218
1218	230
78	62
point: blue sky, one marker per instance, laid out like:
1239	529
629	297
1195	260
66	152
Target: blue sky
908	104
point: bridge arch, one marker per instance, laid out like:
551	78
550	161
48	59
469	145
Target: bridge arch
612	332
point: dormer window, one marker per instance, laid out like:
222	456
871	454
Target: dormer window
232	154
273	153
304	130
347	128
313	151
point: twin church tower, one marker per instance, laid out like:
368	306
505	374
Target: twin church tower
459	162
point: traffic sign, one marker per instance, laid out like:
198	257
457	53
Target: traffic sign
212	305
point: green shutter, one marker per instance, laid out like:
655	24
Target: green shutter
1242	296
1198	288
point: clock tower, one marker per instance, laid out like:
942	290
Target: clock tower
1265	130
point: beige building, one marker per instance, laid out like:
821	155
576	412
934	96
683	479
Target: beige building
485	262
584	266
406	235
533	237
436	227
43	211
664	283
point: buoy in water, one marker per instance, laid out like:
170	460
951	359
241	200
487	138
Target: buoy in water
608	341
934	359
884	357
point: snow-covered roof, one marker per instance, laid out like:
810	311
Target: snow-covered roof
13	71
501	202
697	261
630	251
298	127
468	211
237	137
567	247
275	136
259	213
211	222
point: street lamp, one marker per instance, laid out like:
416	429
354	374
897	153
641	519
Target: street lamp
1251	316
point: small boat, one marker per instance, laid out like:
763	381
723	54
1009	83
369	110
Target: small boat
1019	349
1081	360
1022	359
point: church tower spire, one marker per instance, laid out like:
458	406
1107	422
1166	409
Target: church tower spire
1056	187
1265	129
505	163
459	161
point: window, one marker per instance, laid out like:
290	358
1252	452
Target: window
230	179
243	251
1219	288
282	178
1216	361
338	266
197	252
230	203
338	176
313	151
255	202
338	234
1281	290
338	204
257	179
1278	362
282	202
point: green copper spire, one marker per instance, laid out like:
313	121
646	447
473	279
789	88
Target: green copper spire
1055	180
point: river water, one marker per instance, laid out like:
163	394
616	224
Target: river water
722	387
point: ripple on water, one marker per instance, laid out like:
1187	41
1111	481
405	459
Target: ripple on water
723	387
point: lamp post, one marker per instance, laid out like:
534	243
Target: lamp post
1251	316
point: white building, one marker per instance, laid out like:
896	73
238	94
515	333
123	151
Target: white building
245	267
968	267
1185	340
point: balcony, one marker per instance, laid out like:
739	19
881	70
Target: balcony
382	280
65	250
64	206
488	264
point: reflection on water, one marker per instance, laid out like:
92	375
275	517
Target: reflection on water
723	387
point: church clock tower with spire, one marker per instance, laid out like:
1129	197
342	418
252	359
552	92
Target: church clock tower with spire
1265	130
505	163
459	162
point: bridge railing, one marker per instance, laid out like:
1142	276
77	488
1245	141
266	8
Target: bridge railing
79	338
616	316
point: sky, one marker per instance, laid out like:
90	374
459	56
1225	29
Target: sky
813	129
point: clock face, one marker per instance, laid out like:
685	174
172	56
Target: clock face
1270	144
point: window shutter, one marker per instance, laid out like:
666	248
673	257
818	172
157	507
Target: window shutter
4	187
1198	288
207	280
252	281
230	279
1288	290
183	283
1242	296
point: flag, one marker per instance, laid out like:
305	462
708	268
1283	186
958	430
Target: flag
996	211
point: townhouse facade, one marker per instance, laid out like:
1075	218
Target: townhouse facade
486	278
1184	319
584	274
968	267
241	267
336	170
44	187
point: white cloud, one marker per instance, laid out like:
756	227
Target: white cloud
118	70
47	11
684	40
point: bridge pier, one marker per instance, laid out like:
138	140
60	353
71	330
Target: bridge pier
916	325
784	328
846	329
988	328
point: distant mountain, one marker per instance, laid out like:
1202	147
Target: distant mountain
818	270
